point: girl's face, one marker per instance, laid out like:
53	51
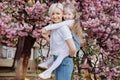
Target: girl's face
57	15
68	14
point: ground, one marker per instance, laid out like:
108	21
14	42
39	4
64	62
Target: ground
9	74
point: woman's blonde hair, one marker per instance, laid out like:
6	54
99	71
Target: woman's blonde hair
53	6
76	28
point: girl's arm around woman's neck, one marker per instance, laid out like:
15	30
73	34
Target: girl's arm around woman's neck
58	25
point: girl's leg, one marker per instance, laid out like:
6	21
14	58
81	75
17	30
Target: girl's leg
46	63
64	71
47	74
56	63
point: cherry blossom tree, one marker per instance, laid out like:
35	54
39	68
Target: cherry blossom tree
20	24
101	22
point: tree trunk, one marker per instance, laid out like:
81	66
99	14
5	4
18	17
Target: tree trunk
19	69
19	50
23	57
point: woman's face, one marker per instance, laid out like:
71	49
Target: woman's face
57	15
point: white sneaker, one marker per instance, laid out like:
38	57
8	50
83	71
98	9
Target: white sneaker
43	65
45	75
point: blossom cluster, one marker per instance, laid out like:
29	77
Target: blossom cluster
19	20
101	21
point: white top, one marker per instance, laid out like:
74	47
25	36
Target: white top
57	41
58	25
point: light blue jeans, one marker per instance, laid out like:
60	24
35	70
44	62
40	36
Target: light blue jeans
64	71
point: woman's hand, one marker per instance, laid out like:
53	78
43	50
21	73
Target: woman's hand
45	35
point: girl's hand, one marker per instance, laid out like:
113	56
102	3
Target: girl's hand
43	30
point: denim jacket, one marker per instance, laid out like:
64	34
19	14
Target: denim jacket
76	41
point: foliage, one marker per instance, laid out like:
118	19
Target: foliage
101	21
18	19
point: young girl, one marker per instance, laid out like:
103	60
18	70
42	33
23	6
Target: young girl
71	21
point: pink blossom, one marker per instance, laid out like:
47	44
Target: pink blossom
68	1
115	37
3	32
9	36
108	30
35	34
116	69
1	7
29	10
105	53
22	34
28	28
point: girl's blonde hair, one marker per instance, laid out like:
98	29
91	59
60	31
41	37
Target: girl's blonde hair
76	28
53	6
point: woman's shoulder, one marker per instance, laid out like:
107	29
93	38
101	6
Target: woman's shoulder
64	29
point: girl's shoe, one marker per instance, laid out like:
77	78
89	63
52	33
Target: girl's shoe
43	65
45	75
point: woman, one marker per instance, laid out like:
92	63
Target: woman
61	46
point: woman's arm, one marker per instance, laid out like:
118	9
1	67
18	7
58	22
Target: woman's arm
72	47
58	25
